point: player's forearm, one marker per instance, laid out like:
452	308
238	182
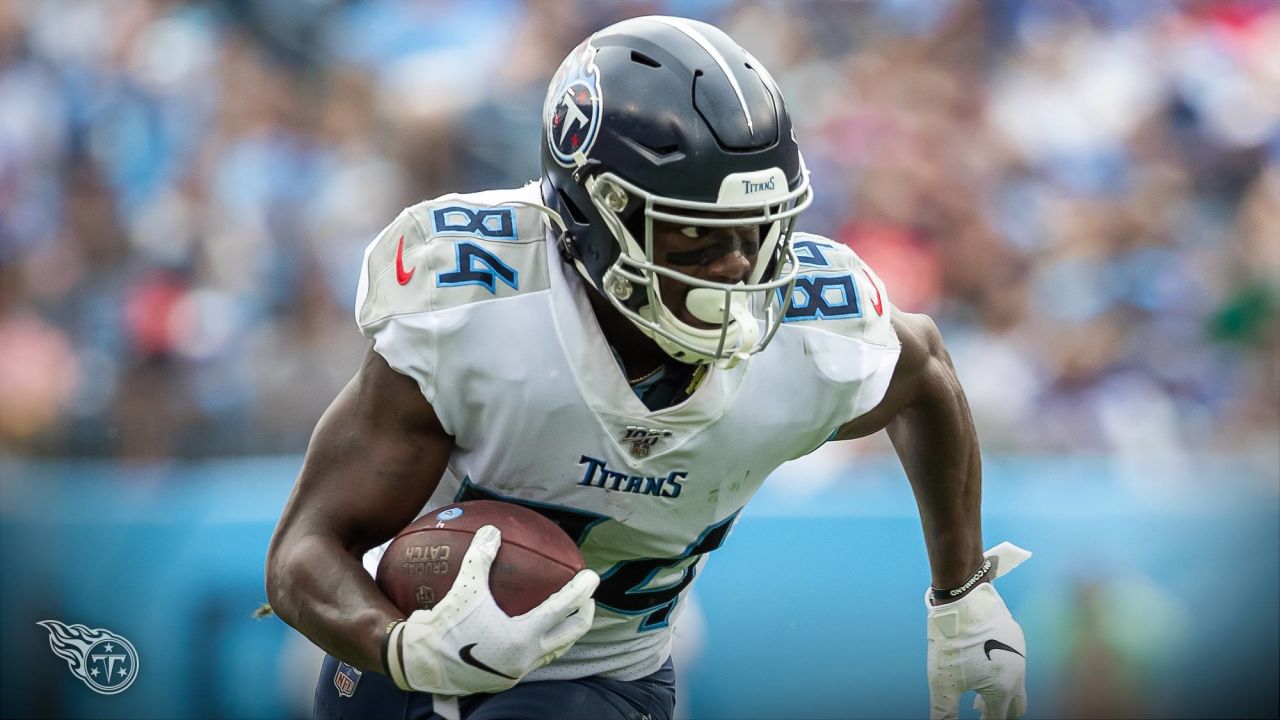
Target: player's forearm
938	445
321	590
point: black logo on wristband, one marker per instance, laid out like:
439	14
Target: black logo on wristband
468	658
994	644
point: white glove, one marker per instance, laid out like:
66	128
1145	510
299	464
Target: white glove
975	644
466	644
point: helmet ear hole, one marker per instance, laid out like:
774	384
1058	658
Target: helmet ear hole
575	212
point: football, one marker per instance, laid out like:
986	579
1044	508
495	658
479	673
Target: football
536	557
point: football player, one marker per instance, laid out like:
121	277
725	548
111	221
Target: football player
629	345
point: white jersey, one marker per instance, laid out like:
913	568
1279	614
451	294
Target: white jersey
466	295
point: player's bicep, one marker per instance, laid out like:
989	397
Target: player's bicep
916	368
374	459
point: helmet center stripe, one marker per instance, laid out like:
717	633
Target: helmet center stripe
710	49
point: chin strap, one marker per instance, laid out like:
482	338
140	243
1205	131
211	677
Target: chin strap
748	329
748	334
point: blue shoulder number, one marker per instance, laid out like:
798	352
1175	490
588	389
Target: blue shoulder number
823	294
475	265
489	223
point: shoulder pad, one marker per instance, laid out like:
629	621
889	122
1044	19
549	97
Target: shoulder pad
454	250
838	292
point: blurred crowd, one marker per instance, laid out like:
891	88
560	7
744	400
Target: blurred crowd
1085	195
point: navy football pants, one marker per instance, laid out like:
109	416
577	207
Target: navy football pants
373	695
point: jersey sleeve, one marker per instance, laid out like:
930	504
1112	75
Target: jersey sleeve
878	337
386	284
394	303
426	277
844	308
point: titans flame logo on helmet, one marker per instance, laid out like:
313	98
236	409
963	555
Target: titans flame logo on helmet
574	105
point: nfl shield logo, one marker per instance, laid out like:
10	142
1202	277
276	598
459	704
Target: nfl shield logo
643	439
346	679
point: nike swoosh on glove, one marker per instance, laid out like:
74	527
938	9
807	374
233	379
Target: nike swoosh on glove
975	644
466	644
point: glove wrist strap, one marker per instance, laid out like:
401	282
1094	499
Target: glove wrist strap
945	596
393	654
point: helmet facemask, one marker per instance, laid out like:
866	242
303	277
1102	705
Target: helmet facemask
740	318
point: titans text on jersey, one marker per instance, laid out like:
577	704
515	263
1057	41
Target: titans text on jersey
599	475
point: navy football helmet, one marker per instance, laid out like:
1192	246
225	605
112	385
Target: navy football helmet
667	119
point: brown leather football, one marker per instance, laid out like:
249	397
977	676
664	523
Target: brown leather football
536	557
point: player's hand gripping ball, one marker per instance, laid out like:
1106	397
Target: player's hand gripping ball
536	558
492	592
